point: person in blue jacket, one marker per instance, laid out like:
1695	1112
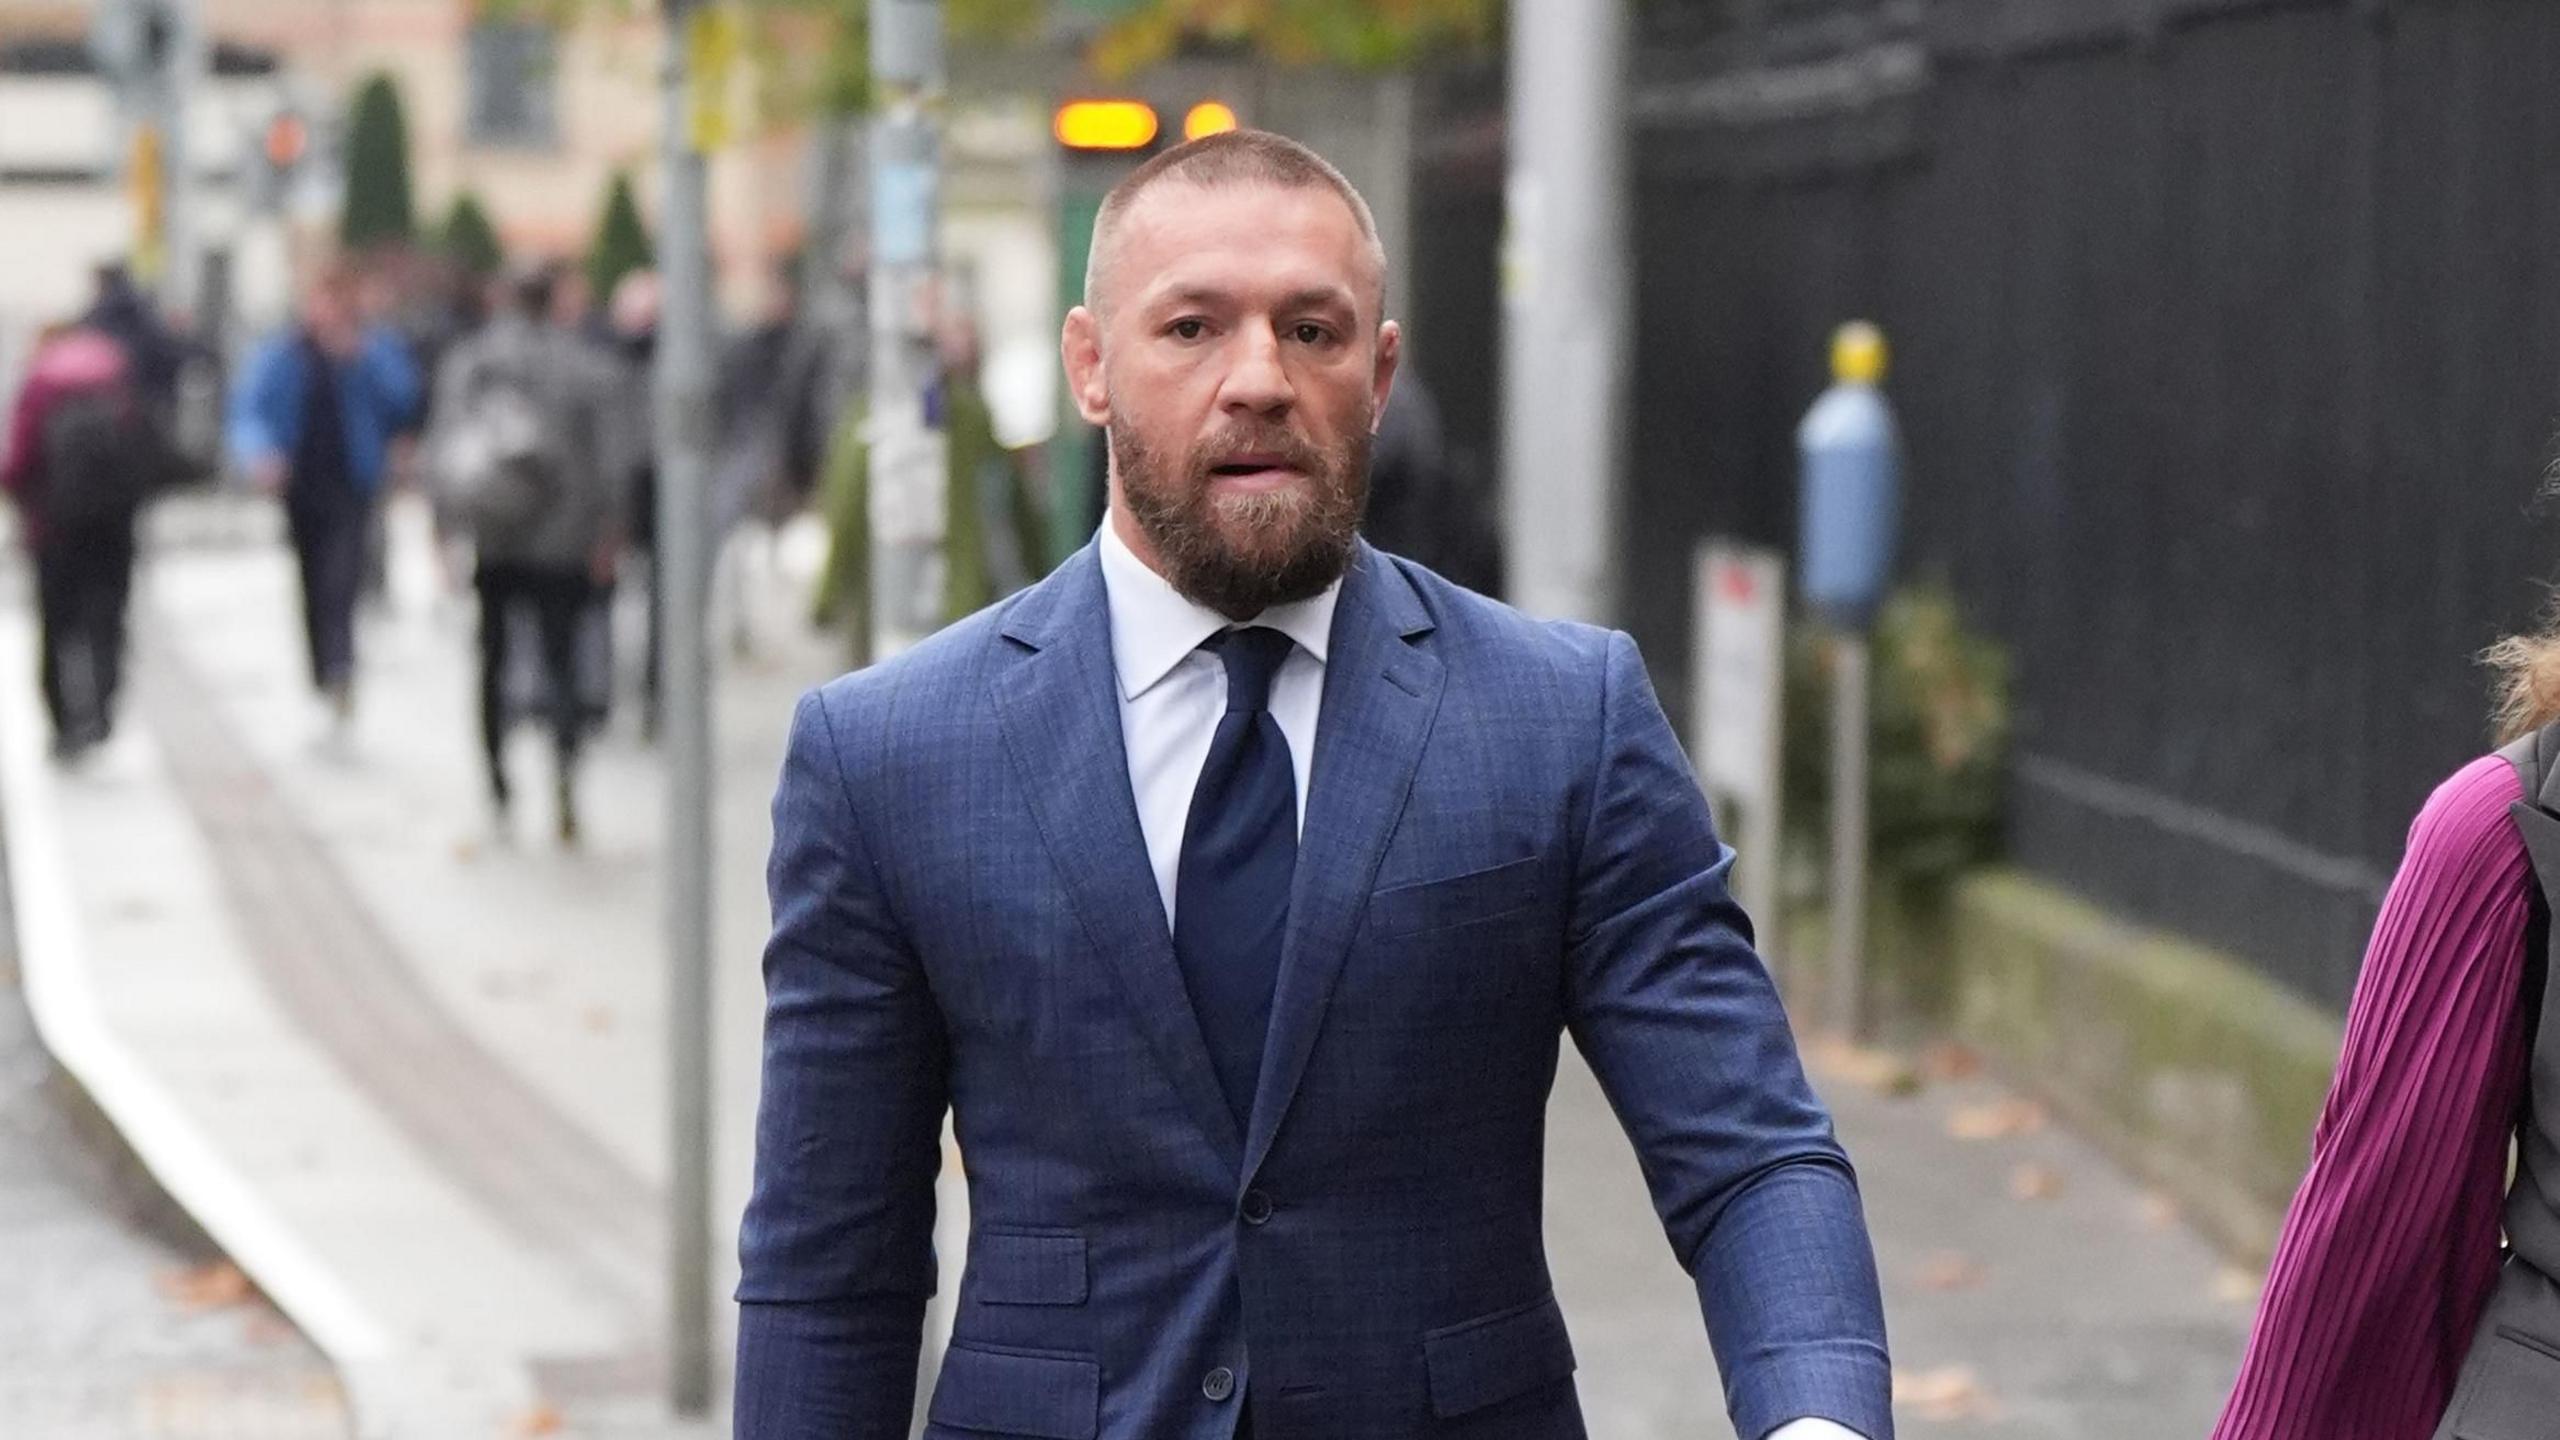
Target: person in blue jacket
311	422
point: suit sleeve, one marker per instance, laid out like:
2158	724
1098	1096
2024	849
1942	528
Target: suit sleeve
1679	1019
836	1254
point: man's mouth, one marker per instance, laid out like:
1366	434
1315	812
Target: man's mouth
1256	470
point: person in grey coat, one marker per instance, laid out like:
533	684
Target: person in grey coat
548	520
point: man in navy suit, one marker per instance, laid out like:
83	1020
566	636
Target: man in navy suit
1231	890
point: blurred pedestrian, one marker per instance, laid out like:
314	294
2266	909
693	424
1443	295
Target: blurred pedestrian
632	321
529	452
1231	891
156	355
312	422
83	456
1421	504
2392	1311
770	411
995	533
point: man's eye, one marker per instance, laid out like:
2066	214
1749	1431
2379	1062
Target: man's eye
1188	329
1312	334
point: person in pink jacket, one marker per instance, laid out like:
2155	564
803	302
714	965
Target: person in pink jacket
2394	1246
81	459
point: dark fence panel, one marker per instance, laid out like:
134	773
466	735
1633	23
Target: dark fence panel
2227	338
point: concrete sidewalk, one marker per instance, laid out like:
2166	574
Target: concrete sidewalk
414	1079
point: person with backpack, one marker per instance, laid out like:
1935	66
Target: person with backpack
2416	1289
82	459
312	422
529	453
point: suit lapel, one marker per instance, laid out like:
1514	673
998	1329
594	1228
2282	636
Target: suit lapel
1381	694
1059	709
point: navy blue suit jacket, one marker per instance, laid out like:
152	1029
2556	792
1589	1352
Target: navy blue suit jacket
1502	842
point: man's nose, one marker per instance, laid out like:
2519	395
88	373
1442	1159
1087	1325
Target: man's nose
1257	381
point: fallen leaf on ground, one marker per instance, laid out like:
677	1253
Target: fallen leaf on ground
2235	1286
2156	1212
540	1420
2035	1182
1879	1070
1996	1120
1951	1062
1947	1270
206	1287
1951	1392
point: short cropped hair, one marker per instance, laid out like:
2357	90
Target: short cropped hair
1212	162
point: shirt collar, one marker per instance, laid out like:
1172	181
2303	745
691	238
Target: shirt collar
1154	627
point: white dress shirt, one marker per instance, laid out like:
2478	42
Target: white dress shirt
1172	693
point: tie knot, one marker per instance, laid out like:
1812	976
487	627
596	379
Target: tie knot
1252	656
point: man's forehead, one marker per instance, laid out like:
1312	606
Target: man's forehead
1178	235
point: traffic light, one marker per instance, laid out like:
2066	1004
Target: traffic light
1209	117
283	144
1106	125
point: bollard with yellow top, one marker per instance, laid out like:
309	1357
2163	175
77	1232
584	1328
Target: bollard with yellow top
1852	507
1852	491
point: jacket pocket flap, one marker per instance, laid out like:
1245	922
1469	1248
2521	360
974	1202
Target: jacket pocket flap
1056	1397
1497	1357
1457	900
1011	1268
2514	1391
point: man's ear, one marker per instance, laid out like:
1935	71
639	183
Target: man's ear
1383	383
1080	347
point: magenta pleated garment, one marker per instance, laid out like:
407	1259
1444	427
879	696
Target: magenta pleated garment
2392	1243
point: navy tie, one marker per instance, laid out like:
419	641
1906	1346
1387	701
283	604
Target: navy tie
1239	850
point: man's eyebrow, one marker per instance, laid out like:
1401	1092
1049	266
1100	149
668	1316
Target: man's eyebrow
1312	297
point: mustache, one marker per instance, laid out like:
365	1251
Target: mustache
1294	449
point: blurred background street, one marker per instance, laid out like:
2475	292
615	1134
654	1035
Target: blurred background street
2145	405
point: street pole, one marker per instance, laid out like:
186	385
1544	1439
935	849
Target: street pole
1850	669
684	548
909	468
1565	305
185	63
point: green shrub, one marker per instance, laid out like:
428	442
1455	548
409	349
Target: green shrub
379	209
622	241
1939	711
469	240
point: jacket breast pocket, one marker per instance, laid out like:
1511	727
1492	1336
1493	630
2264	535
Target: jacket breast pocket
1449	954
1502	892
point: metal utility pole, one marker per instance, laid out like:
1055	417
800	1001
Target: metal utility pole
182	53
1850	671
154	52
1565	268
909	447
684	548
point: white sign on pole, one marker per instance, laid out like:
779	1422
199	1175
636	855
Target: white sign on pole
1737	711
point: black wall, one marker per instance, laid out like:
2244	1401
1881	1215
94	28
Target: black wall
2227	348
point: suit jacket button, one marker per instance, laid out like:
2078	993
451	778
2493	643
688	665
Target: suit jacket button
1219	1384
1257	1208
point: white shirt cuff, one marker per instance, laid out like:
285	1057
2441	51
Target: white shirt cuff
1813	1429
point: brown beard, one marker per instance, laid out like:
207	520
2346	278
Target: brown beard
1243	554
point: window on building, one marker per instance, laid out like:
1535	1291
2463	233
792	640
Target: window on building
511	85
